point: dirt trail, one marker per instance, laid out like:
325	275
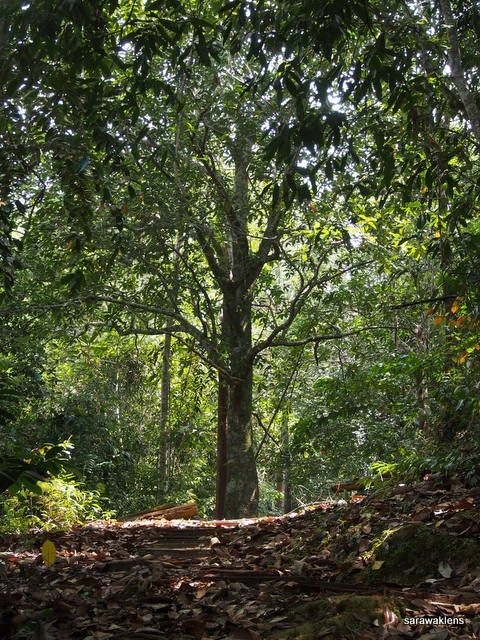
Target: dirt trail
340	570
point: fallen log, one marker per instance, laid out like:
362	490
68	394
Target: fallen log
169	512
159	507
352	485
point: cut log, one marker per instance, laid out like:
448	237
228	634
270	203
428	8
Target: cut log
159	507
169	512
353	485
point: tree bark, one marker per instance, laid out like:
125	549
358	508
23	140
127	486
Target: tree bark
241	491
241	495
240	478
285	484
222	409
164	444
450	423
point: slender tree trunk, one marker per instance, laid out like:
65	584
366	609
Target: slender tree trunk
222	415
286	464
450	419
420	335
163	453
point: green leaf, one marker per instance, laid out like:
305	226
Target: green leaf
388	165
202	49
75	281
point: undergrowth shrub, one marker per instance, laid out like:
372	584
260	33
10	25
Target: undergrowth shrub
413	463
61	503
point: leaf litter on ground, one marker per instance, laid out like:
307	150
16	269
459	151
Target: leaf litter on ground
336	569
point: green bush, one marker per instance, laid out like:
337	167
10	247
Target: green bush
62	503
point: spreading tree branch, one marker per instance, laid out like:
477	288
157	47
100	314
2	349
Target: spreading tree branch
414	303
329	336
182	326
296	305
174	331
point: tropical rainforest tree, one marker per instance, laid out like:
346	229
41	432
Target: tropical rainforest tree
194	168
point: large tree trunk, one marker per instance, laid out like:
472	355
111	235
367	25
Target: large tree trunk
241	495
241	491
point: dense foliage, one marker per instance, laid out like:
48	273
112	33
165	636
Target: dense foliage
238	242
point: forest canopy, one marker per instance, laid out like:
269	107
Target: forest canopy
239	247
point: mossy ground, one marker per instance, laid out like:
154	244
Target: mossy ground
413	553
340	616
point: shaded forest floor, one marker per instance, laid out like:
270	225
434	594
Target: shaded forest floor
361	568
